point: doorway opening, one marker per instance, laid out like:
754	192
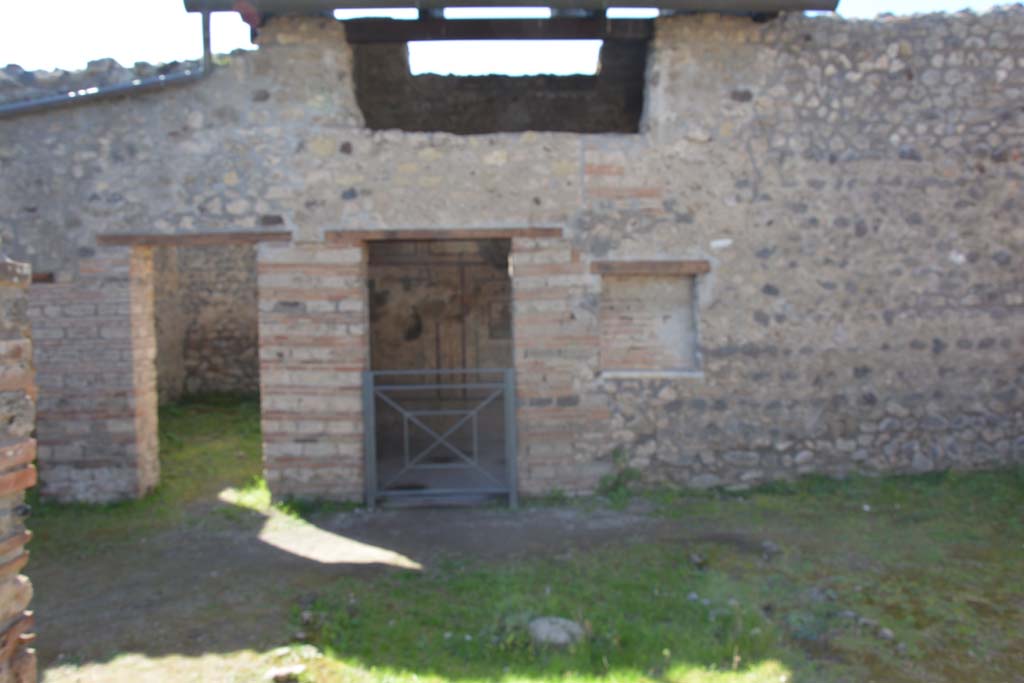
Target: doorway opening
439	397
206	320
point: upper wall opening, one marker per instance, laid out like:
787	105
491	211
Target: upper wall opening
505	57
609	100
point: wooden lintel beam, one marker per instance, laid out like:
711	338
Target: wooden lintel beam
349	236
561	28
690	267
199	239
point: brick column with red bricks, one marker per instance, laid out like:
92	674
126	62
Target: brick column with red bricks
95	358
314	346
17	473
562	418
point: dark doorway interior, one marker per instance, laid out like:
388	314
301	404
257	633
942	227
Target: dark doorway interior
441	349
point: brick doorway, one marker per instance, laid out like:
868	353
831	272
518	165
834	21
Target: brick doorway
439	394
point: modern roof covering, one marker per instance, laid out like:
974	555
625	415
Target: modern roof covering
321	6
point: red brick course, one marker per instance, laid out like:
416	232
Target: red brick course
556	357
97	421
17	473
314	346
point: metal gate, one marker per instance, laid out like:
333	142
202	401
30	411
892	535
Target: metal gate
439	434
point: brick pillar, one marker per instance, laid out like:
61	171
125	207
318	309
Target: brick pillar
17	451
143	359
562	419
95	350
314	345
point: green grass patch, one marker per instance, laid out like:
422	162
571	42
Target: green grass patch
648	613
618	487
207	444
928	567
898	579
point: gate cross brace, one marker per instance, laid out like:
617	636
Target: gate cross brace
440	439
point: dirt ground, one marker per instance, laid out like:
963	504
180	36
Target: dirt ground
178	604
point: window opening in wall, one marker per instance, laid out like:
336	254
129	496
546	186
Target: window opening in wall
632	12
504	57
441	359
497	12
399	13
594	85
648	325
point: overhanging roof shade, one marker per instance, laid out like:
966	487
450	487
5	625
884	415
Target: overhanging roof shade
321	6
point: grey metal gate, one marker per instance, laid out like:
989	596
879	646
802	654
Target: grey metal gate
439	433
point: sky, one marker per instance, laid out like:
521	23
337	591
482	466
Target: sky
68	33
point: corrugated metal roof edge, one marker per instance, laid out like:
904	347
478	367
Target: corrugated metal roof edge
321	6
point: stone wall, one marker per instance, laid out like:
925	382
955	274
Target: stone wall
170	325
17	473
206	320
855	187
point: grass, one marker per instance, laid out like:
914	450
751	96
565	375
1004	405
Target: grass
889	579
206	443
617	487
649	616
934	559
